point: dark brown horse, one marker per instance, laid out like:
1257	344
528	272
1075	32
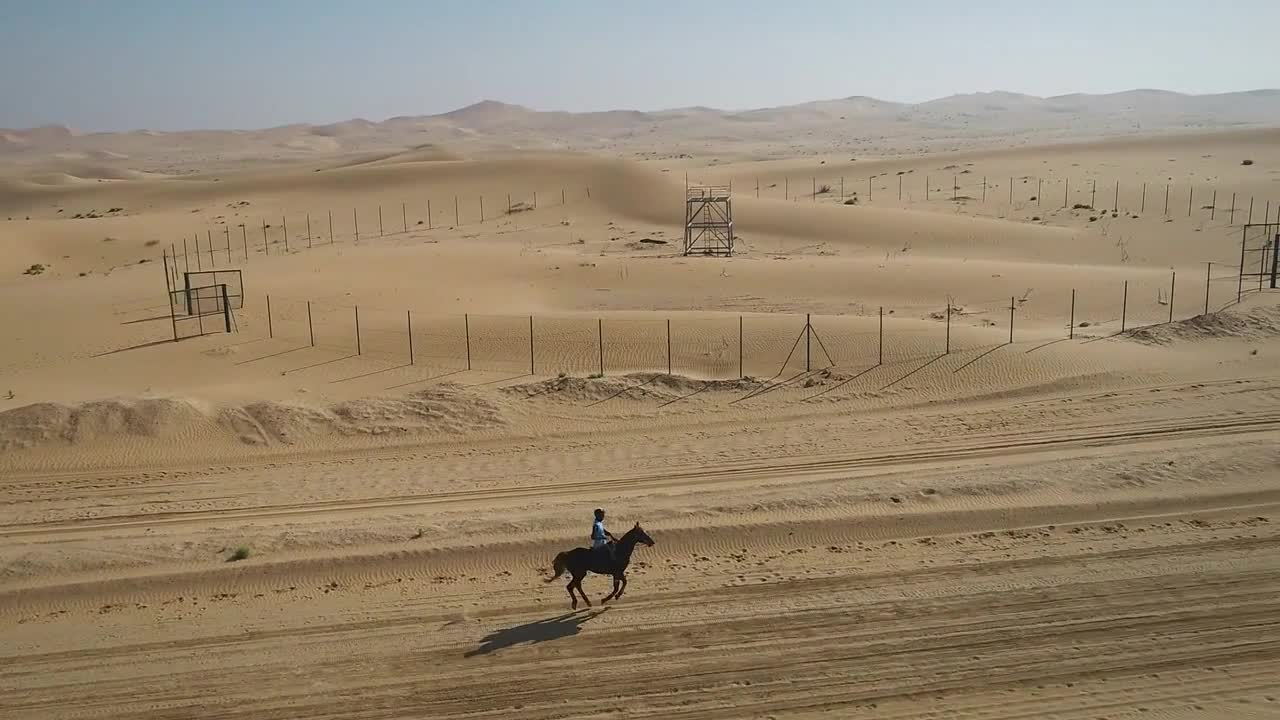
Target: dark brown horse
580	561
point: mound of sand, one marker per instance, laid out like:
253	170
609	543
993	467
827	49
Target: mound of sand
636	386
1254	324
441	410
447	409
45	424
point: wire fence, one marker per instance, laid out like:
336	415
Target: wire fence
725	345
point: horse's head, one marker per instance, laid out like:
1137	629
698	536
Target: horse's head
640	535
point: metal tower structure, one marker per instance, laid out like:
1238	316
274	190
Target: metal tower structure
708	221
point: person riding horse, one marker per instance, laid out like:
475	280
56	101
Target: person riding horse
599	543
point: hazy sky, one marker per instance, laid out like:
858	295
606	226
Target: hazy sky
176	64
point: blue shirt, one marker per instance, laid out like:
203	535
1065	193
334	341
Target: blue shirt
597	534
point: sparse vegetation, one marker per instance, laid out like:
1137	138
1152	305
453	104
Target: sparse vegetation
34	269
240	553
851	201
1093	218
1035	218
1081	206
106	239
1246	162
595	376
151	243
824	189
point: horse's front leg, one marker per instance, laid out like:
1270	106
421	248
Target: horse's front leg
616	590
623	588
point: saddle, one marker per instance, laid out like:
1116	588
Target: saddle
604	555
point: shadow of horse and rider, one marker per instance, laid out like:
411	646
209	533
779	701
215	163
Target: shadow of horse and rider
611	559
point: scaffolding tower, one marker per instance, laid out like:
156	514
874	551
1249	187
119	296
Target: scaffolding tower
708	221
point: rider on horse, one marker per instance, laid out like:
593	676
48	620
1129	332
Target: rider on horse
599	535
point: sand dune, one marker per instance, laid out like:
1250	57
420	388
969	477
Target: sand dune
971	424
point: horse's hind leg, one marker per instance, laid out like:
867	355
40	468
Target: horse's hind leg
623	588
577	583
572	597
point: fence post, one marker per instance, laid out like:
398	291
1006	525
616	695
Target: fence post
1173	284
1191	193
1143	207
1213	204
226	230
1115	207
404	217
1039	190
226	308
309	231
1231	218
429	225
311	330
1066	192
948	347
807	332
186	260
481	208
199	262
530	344
600	342
284	230
408	314
1124	306
456	222
741	373
786	188
380	232
355	220
1208	276
1071	323
868	189
1244	236
899	188
1011	306
466	329
330	227
244	238
926	187
815	189
1166	199
173	320
668	346
881	343
1093	194
358	351
984	199
841	188
955	186
535	200
1250	220
208	234
1010	190
271	333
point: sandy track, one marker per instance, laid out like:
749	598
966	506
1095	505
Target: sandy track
1264	426
1169	614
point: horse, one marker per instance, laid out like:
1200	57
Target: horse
581	560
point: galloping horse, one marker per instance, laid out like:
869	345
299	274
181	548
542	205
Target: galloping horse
579	561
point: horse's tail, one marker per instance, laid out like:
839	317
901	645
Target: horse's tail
558	565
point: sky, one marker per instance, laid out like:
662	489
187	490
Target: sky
181	64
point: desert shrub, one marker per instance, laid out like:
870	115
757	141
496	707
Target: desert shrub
1081	206
241	553
1246	162
34	269
824	189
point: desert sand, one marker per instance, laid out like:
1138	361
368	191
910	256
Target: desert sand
1021	462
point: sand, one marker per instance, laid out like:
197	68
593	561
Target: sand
285	521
